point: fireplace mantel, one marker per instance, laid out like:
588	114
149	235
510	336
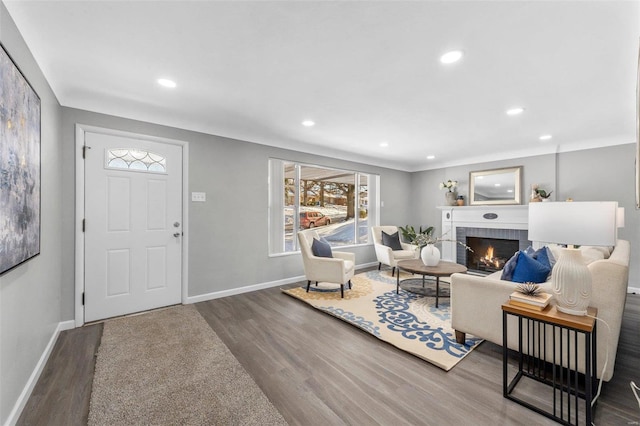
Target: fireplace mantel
496	217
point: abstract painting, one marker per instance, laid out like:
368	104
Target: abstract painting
19	166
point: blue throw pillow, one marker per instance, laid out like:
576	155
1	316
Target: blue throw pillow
392	240
321	248
509	267
529	270
530	251
542	256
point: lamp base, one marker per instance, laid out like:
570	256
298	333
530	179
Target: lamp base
571	281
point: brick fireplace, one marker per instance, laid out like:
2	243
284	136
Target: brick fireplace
494	232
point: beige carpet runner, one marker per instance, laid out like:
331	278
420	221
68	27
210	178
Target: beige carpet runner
169	367
409	321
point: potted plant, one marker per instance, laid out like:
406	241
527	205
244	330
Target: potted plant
409	233
544	195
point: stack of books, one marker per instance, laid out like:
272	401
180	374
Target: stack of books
537	302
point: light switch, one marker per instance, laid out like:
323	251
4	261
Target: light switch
199	197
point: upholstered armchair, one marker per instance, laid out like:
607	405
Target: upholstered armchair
338	269
386	255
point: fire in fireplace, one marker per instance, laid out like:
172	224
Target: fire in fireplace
489	254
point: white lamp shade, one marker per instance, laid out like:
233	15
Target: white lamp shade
590	223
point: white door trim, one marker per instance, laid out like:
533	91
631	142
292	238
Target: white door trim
81	129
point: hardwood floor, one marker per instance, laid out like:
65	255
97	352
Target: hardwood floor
62	394
318	370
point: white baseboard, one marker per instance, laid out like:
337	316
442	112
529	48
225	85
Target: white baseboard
240	290
634	290
254	287
35	375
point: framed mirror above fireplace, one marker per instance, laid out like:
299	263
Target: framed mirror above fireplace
495	187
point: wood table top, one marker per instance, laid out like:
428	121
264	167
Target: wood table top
552	315
442	269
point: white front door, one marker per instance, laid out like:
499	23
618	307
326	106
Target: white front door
133	228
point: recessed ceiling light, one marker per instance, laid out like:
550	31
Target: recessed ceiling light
496	184
451	57
308	123
166	83
509	190
545	137
384	144
515	111
430	157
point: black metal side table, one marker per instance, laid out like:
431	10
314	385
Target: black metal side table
549	352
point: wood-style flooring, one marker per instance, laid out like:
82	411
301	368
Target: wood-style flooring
318	370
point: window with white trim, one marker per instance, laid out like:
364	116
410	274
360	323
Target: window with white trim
340	204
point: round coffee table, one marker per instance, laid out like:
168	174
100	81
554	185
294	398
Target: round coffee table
442	269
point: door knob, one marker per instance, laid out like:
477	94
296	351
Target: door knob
176	224
177	234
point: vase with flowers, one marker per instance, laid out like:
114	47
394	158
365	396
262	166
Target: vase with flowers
452	193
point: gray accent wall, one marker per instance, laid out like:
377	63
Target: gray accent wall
228	234
600	174
30	295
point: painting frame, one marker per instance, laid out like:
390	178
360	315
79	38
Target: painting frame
20	166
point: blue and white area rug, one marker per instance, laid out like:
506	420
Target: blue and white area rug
408	321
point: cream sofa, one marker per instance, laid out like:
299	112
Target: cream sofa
476	304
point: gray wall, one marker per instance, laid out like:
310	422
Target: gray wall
602	174
538	169
30	294
605	174
228	234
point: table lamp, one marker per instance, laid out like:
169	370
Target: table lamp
592	223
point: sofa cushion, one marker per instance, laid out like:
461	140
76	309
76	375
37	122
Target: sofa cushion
606	251
321	248
591	254
392	241
509	267
529	269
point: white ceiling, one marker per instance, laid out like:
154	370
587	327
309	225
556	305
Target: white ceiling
365	72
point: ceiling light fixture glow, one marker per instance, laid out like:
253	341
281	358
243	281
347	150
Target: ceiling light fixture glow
308	123
515	111
430	157
164	82
545	137
451	57
384	144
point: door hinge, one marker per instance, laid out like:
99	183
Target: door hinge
82	298
84	223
